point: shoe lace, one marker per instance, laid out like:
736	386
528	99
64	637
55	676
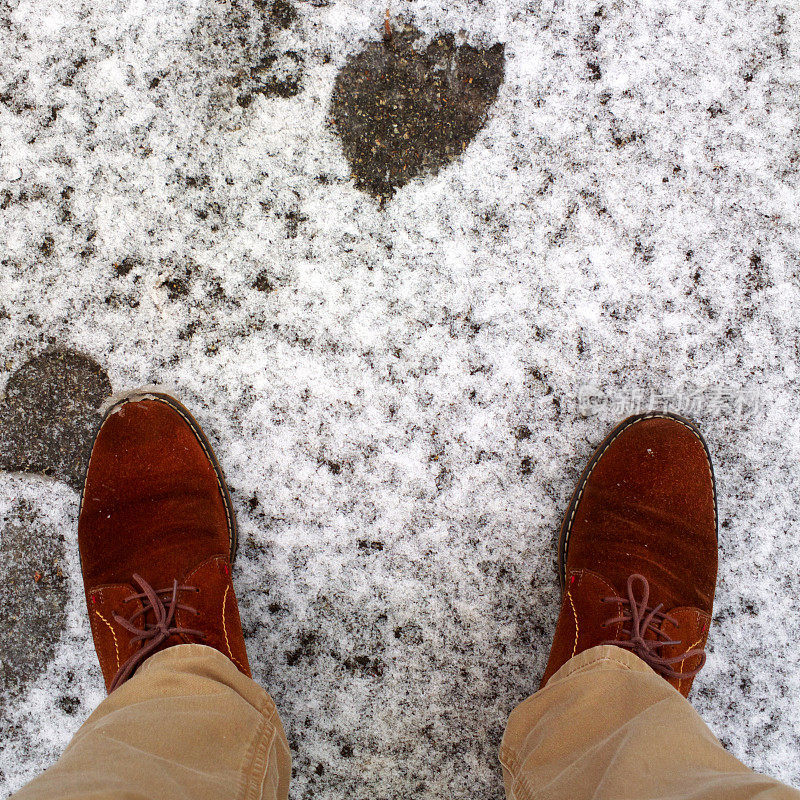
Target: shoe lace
153	634
644	619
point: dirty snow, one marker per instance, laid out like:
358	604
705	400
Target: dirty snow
393	391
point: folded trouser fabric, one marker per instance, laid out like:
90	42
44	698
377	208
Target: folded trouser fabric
187	726
607	727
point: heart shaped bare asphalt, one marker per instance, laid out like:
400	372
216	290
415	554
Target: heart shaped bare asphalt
402	111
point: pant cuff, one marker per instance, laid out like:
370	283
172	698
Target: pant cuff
606	654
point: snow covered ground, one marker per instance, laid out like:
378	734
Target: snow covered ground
403	389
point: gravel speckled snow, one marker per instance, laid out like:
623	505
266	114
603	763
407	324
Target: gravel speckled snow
393	389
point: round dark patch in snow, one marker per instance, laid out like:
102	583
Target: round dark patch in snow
33	598
49	415
401	111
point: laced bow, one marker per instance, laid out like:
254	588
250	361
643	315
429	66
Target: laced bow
152	634
644	619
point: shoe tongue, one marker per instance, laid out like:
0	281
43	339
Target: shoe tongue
660	583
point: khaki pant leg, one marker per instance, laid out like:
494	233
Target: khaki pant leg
607	727
187	726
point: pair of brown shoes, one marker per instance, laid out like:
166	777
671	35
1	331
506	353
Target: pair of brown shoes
157	536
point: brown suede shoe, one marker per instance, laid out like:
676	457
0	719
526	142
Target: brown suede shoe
638	549
157	537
